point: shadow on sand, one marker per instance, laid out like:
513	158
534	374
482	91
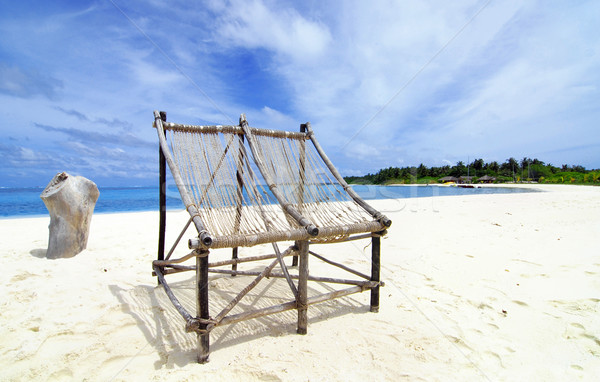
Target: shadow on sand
163	327
40	253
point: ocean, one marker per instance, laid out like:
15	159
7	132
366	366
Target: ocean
26	202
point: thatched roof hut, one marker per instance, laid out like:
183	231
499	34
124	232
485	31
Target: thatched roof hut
486	179
447	179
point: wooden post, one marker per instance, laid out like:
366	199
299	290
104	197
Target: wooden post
375	270
203	236
302	177
162	165
202	305
294	261
302	299
240	198
234	256
295	256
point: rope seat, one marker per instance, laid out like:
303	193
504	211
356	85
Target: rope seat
232	175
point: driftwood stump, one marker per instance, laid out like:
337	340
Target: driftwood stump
70	200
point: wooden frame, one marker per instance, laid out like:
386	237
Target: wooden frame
202	322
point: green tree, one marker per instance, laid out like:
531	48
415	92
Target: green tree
478	164
459	169
539	171
525	162
422	171
537	162
510	168
493	168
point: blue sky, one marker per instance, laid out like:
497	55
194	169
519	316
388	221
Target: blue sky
383	83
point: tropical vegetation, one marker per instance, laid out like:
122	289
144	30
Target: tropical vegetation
525	170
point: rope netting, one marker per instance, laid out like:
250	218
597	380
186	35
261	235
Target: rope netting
233	197
305	181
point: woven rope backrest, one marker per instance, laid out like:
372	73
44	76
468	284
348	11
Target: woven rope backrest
223	184
233	197
307	183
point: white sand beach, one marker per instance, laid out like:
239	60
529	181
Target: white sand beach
488	287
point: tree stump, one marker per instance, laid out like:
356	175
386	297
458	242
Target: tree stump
70	200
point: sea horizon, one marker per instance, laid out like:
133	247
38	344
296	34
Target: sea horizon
17	202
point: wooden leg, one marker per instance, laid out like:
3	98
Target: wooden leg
162	196
202	306
302	300
375	269
203	347
295	256
234	256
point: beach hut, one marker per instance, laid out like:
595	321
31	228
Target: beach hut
486	179
448	179
465	179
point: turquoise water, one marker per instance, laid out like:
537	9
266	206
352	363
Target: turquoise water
15	202
27	201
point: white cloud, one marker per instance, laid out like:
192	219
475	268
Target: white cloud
376	49
148	74
29	155
254	25
274	119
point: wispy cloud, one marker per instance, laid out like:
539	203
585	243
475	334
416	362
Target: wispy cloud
282	30
27	83
82	117
126	139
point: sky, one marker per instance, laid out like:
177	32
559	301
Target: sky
383	83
